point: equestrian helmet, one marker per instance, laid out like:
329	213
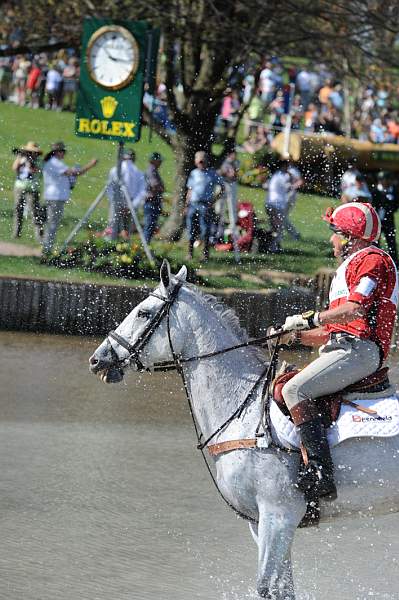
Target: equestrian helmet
355	219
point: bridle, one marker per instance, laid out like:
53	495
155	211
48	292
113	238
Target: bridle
177	363
136	348
144	337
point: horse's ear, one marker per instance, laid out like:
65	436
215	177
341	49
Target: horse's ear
165	276
182	274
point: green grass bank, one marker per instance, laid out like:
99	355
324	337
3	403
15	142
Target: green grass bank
18	125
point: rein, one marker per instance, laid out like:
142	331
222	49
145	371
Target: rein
178	362
170	365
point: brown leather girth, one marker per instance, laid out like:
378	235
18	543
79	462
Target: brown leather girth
215	449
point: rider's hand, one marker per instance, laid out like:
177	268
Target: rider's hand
307	320
285	339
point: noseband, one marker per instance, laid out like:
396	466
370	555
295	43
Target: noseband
136	348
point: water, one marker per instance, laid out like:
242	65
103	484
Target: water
104	497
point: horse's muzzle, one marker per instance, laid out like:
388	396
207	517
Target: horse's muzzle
111	375
96	364
107	373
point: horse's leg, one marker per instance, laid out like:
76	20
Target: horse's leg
276	531
253	528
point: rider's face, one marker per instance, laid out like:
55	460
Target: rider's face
338	243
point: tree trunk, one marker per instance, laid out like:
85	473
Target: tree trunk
184	152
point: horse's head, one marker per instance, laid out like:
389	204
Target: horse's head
142	339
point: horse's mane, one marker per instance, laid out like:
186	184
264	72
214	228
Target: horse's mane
226	315
228	318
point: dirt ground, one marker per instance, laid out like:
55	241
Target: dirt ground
10	249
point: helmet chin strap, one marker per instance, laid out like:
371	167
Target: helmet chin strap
347	243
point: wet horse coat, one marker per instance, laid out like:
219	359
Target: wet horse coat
258	482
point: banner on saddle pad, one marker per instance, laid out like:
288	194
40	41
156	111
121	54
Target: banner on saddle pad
351	423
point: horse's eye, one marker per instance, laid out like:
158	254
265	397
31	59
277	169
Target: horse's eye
144	314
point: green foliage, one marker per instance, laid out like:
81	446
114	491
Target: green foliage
252	172
116	259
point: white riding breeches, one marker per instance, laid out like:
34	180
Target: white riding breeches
344	360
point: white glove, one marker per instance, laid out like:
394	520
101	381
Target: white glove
306	320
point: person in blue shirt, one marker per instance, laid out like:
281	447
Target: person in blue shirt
359	191
201	194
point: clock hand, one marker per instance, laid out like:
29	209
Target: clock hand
109	55
123	60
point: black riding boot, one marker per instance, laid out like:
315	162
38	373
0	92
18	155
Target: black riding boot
318	474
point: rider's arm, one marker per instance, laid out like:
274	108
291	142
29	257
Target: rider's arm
344	313
341	314
312	337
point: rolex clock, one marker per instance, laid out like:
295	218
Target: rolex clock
117	58
112	57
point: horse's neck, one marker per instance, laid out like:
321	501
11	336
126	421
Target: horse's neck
217	385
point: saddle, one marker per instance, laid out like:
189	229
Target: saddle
330	405
330	408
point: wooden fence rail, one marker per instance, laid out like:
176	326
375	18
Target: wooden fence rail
86	309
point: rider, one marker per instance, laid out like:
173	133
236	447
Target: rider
354	333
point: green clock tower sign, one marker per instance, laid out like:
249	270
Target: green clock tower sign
116	59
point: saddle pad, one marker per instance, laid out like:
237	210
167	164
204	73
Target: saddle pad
351	422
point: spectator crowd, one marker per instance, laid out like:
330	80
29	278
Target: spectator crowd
309	97
315	99
283	185
40	81
209	193
51	179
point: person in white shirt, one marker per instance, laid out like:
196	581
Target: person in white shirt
348	179
53	86
267	83
295	182
277	203
133	181
57	179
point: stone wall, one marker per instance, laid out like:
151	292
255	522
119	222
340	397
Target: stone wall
84	309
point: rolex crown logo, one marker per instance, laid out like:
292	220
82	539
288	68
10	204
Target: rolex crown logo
108	105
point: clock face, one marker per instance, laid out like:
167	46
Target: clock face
112	57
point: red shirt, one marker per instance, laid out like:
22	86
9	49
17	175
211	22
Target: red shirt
369	278
33	78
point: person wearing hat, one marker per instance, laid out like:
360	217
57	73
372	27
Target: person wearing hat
27	167
385	200
58	179
133	184
154	195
